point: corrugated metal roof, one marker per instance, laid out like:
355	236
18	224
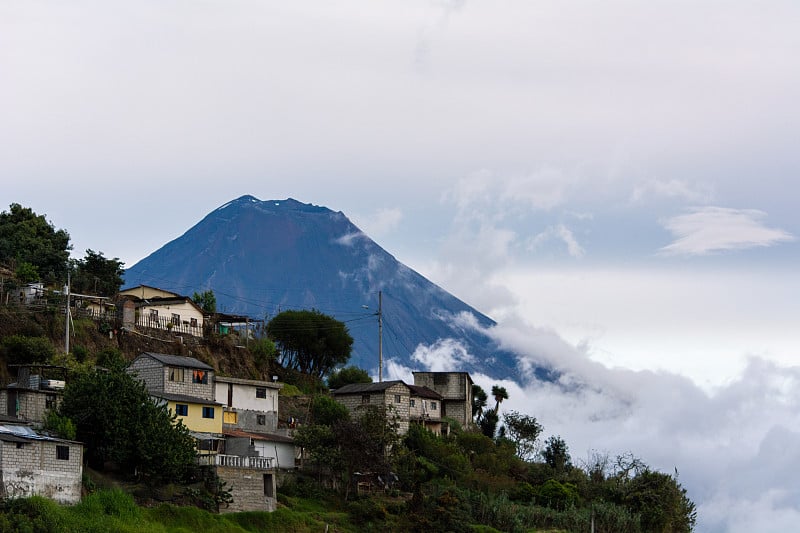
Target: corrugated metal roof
182	398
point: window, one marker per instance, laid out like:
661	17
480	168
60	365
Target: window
200	376
261	392
50	401
62	453
433	406
208	412
181	409
261	420
411	402
397	398
20	445
365	398
175	374
230	417
154	315
193	322
176	319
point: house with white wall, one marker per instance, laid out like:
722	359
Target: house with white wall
250	405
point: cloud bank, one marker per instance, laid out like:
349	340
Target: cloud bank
735	448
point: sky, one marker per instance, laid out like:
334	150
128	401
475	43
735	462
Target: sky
613	182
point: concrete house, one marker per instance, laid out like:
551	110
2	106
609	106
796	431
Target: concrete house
186	385
425	407
37	389
35	464
394	395
248	404
456	391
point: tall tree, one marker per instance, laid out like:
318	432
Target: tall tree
499	394
479	399
310	342
523	430
207	301
94	274
556	454
26	237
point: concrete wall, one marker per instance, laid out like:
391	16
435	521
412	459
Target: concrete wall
282	453
158	378
30	405
388	398
252	490
455	388
32	468
150	371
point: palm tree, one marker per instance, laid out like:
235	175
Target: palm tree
499	394
479	398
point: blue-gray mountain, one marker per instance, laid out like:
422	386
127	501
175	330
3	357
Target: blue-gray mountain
261	257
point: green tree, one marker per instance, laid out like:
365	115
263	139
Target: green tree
499	394
26	272
206	300
347	375
310	342
479	399
20	349
523	431
328	412
556	454
661	502
26	237
488	424
117	421
94	274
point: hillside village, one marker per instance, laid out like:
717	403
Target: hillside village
146	388
235	421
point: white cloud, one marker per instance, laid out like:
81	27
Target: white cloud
561	233
349	239
544	189
380	222
442	356
674	188
707	230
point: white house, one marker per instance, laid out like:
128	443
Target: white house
249	404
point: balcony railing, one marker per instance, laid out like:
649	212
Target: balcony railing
235	461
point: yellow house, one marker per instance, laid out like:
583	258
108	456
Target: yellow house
197	414
186	385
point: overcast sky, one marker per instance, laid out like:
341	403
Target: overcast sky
614	182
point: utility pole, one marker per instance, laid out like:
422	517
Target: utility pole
380	336
66	314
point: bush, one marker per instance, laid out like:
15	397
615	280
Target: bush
19	349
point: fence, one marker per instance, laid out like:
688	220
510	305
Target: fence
166	323
235	461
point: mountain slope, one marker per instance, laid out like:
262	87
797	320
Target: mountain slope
260	257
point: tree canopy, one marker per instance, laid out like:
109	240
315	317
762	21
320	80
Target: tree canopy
347	375
26	237
310	341
118	422
94	274
207	301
